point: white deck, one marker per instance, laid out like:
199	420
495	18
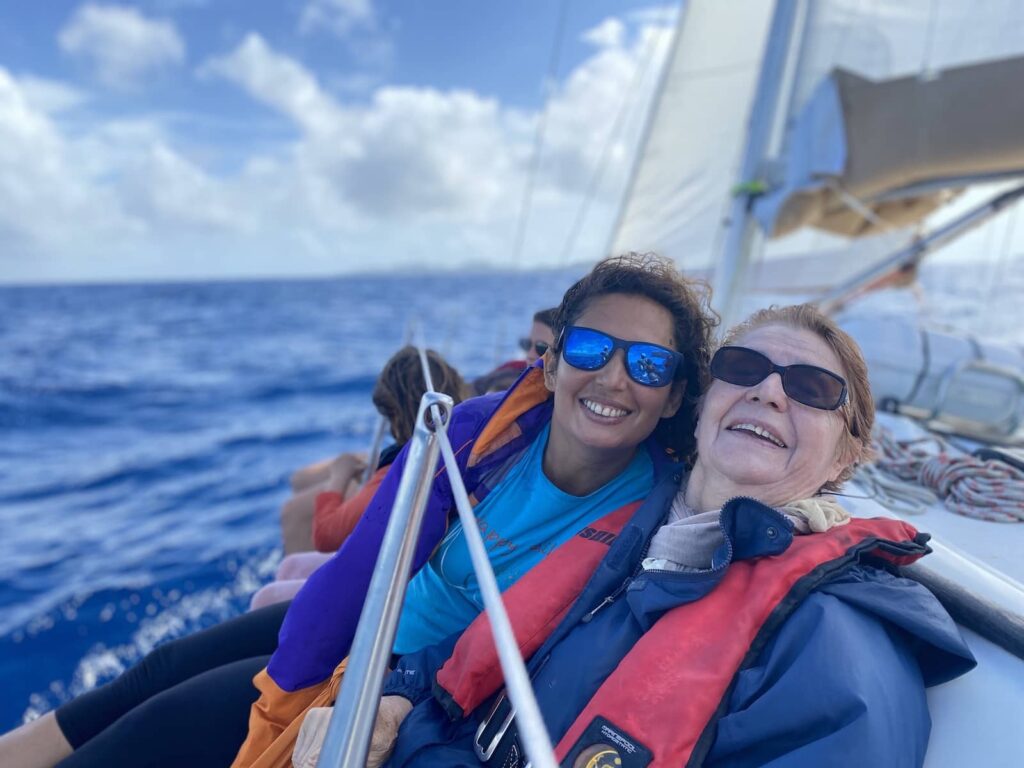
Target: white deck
999	546
976	719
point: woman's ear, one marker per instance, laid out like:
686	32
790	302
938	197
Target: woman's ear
675	399
550	368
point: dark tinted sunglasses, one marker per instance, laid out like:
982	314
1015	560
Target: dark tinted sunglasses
648	364
540	347
807	384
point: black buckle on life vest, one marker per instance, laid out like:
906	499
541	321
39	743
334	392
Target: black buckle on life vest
493	728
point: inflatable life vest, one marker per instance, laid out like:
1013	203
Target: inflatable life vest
752	600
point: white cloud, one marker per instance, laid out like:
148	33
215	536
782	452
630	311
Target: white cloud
413	175
357	24
610	32
50	96
657	16
340	17
120	43
47	204
276	80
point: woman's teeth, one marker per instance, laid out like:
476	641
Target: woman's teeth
604	410
760	432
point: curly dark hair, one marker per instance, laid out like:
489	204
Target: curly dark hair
656	278
401	385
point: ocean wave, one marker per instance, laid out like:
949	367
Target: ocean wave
158	614
134	470
284	390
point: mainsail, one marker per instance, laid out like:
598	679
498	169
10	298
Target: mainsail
889	112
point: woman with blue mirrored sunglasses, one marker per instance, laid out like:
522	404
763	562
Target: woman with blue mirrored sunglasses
564	449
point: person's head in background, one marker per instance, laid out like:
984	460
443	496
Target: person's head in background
401	385
541	336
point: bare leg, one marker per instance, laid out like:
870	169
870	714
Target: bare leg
38	744
297	520
311	475
301	565
275	592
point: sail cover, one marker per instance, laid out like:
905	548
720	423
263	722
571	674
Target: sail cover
866	155
680	193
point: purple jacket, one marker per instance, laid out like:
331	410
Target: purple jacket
488	434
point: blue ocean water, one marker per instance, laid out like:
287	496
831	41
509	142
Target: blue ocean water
147	433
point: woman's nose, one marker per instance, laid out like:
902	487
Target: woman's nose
613	373
770	392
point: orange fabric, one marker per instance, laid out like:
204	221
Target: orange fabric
276	717
335	517
502	427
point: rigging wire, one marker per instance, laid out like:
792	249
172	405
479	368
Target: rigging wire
1000	269
530	724
629	99
538	137
645	132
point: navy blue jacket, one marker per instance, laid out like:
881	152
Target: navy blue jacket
841	683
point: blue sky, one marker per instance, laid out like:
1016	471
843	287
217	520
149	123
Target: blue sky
174	139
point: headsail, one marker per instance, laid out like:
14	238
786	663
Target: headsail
680	186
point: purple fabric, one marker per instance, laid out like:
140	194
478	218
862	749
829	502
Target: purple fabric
320	624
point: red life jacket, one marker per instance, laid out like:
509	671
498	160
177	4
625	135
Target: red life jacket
736	619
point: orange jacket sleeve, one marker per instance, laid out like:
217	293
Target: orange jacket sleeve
335	517
276	717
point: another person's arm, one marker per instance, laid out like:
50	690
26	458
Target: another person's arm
390	714
407	685
335	517
298	513
321	622
345	474
297	521
313	474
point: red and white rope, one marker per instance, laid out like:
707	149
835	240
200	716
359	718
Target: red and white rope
985	490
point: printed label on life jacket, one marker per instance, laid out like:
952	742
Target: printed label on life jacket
604	745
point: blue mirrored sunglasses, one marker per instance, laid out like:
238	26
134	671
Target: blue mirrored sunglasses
648	364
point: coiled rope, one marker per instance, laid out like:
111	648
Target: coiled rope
911	475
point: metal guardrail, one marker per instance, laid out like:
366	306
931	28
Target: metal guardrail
351	727
348	735
373	455
529	722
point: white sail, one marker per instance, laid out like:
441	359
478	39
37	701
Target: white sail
688	167
688	163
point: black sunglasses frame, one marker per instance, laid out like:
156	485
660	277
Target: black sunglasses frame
678	358
783	370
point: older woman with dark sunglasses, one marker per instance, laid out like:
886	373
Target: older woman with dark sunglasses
744	620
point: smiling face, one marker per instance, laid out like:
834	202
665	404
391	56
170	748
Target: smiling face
601	416
756	441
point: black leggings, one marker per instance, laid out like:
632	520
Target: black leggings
186	703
